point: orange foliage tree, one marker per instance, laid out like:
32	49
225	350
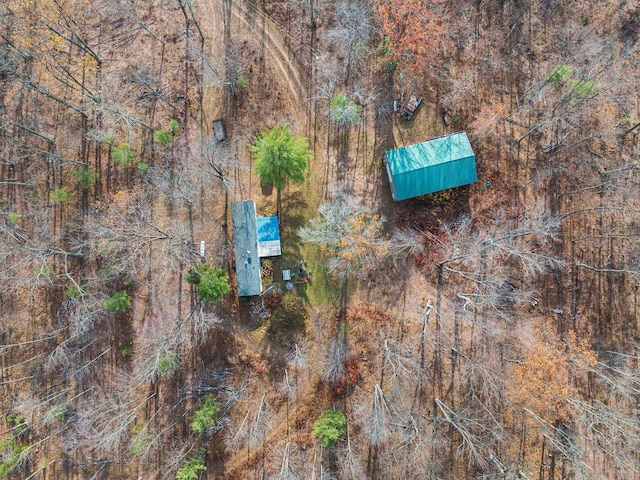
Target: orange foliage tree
541	382
550	375
414	31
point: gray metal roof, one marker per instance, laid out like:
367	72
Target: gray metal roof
245	243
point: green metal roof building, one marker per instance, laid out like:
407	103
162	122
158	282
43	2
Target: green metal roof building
438	164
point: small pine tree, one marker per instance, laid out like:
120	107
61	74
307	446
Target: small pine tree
163	137
330	427
12	453
86	177
61	195
211	283
174	126
56	413
143	168
123	155
207	416
190	468
558	74
74	291
344	111
118	302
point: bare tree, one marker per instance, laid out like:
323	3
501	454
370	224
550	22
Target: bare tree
334	363
354	27
286	472
509	249
473	432
378	424
105	425
351	235
399	365
351	466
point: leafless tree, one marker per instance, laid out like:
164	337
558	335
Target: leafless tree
194	329
335	222
105	425
509	249
286	472
252	431
351	465
352	235
334	362
378	424
158	356
614	430
399	365
473	431
354	27
220	161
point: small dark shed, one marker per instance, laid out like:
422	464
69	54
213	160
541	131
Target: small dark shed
218	130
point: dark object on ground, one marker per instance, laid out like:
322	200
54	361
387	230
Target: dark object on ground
410	108
218	130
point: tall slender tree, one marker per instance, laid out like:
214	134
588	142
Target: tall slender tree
281	157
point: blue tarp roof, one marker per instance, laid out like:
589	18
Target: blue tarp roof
268	236
268	229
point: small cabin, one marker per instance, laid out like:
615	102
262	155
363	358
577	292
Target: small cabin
253	238
428	167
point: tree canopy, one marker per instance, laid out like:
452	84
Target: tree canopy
211	283
344	111
348	232
280	156
330	427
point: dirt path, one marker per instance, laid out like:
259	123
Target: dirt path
274	88
240	21
267	33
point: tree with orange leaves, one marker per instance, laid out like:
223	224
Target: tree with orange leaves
541	383
549	374
413	31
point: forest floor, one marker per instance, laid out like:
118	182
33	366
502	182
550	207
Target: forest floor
505	345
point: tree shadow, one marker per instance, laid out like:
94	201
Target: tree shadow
293	216
388	282
428	212
377	191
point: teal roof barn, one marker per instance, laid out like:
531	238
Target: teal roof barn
438	164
